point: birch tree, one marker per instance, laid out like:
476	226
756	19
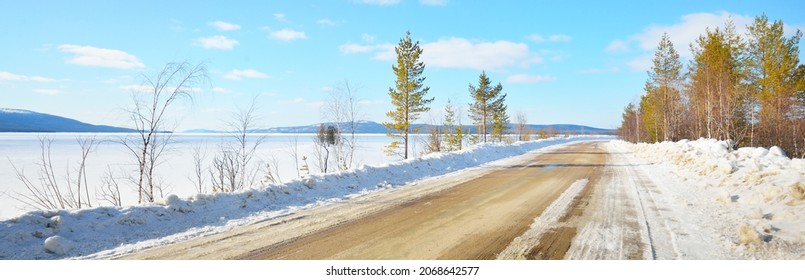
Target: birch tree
174	83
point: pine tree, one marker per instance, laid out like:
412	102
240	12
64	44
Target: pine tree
663	100
407	96
500	120
774	61
486	101
452	130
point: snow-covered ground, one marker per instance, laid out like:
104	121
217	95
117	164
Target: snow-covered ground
107	231
706	201
681	200
175	172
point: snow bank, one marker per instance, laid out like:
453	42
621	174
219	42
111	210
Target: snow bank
761	186
107	231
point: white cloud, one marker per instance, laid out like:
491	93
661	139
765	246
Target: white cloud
325	21
641	63
137	88
280	17
92	56
270	94
559	38
462	53
219	42
221	90
315	104
288	35
367	38
40	79
350	48
528	79
457	53
372	102
298	100
536	38
47	91
245	73
617	46
791	29
378	2
382	51
8	76
556	38
142	88
689	28
434	2
224	26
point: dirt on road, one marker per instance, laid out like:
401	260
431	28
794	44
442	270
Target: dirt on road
452	217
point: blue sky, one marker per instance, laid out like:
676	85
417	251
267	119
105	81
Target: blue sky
566	62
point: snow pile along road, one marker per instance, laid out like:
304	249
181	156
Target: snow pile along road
108	231
755	196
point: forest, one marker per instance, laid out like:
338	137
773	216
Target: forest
745	88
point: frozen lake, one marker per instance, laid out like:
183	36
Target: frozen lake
176	170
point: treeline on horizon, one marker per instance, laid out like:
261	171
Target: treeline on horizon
745	88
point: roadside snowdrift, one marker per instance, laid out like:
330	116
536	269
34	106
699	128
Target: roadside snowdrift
107	231
759	193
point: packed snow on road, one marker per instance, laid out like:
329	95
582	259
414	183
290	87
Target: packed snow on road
747	203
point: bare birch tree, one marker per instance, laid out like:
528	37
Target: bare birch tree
174	83
341	109
232	166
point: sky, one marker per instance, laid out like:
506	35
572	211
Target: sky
558	61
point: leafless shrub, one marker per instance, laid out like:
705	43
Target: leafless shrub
45	192
110	188
199	178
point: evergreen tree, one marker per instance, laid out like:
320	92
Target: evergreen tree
407	96
452	129
486	101
500	121
663	102
774	61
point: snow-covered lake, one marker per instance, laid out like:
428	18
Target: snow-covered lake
23	151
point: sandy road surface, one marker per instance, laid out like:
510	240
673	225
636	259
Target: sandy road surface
453	217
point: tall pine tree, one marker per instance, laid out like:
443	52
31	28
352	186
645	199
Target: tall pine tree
486	101
407	96
775	73
662	89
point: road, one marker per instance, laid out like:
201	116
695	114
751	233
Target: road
460	216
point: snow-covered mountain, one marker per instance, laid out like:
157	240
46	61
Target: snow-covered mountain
16	120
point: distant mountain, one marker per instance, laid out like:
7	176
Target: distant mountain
15	120
572	128
370	127
360	127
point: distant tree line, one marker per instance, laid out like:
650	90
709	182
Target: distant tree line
749	89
